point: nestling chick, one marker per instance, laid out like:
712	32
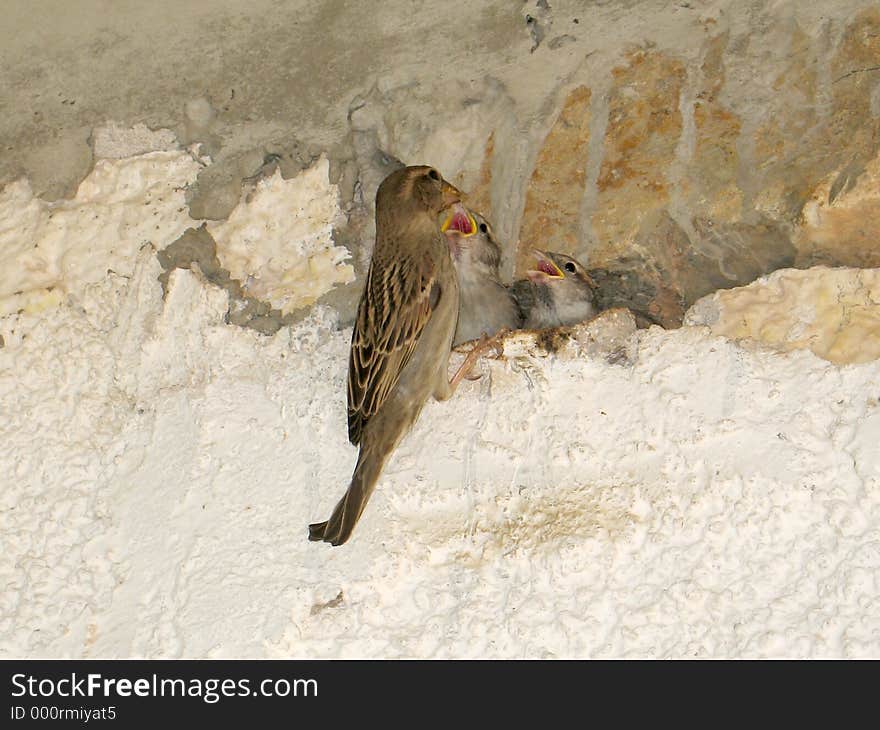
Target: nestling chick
486	304
403	333
558	293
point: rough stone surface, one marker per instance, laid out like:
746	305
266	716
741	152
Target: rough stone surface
709	183
551	219
677	146
840	221
643	129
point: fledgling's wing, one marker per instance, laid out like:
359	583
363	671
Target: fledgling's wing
397	303
523	293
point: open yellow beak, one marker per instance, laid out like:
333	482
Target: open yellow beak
461	219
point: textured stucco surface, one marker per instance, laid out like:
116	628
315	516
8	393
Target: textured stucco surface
834	313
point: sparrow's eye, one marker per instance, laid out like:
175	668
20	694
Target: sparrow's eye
484	228
434	175
569	267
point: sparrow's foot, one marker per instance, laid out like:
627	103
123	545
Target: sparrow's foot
496	342
483	344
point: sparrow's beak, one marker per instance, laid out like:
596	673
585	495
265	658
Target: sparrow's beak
451	194
460	220
546	269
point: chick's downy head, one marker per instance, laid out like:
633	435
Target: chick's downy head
563	288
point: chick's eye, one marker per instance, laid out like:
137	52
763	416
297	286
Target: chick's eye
569	267
484	228
434	175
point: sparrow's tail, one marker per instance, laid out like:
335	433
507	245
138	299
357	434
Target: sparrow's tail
380	437
348	511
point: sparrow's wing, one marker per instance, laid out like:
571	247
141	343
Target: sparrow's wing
523	293
398	301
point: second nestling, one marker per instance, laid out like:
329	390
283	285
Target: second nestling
556	294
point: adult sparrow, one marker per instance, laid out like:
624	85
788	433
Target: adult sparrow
403	333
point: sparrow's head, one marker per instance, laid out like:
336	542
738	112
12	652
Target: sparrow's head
567	287
471	240
554	269
416	189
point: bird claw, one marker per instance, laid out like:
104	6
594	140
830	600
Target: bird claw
485	343
496	342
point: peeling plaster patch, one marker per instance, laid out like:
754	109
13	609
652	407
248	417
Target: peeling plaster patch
53	249
835	313
278	241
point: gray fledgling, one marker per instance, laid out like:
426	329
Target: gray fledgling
558	293
403	333
486	304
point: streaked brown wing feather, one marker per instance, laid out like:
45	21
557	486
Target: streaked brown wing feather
394	308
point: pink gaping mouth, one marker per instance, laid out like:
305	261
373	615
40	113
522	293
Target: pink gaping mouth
548	268
545	267
461	221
